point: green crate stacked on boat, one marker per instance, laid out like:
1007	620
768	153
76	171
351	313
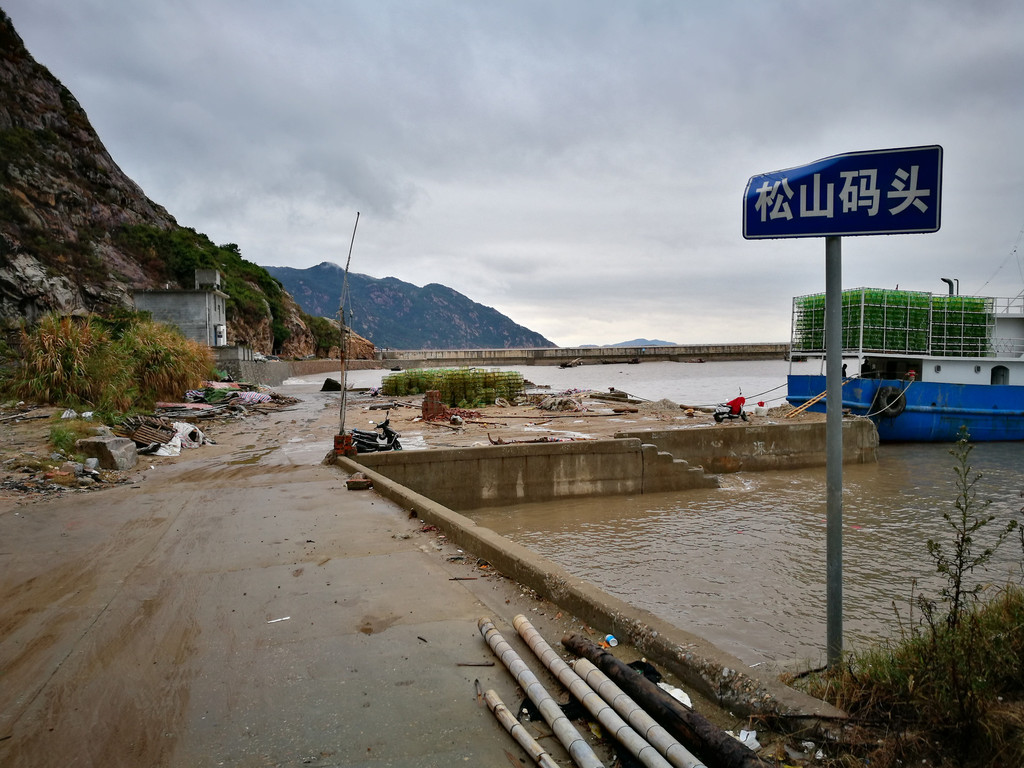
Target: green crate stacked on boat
895	321
885	320
809	323
458	387
962	325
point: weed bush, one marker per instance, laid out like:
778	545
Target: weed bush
164	364
57	361
76	362
64	433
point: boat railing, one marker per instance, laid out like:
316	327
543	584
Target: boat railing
1008	347
1007	306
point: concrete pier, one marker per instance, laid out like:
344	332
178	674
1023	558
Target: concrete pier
447	358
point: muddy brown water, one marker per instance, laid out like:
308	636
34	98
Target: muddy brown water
744	565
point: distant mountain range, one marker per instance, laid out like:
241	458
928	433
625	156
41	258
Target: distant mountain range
634	343
393	313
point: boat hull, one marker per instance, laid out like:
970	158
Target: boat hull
929	412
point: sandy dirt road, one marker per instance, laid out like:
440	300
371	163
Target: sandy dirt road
238	606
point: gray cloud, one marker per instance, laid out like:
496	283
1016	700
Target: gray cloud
577	165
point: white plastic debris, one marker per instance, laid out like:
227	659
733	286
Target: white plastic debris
749	739
171	448
677	693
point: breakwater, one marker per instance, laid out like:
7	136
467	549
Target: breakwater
444	358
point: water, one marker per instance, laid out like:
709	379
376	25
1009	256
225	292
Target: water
744	565
684	383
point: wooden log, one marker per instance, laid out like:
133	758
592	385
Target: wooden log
704	738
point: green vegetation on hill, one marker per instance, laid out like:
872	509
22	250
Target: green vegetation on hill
178	253
393	313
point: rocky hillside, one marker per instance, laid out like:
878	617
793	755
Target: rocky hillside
393	313
77	235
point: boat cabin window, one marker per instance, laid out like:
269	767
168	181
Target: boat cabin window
1000	375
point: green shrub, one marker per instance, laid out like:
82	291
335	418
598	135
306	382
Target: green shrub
64	433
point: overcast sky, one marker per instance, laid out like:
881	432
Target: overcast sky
578	165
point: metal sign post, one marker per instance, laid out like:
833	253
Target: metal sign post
833	450
885	192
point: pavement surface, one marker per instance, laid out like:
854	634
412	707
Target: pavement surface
239	606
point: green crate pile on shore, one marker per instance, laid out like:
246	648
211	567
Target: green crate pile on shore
880	320
459	387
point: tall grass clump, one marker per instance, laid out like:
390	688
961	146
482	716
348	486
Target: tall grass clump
164	364
78	362
949	687
58	361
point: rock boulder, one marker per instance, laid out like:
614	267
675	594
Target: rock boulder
112	452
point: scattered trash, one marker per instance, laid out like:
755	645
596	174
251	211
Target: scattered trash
646	669
611	640
561	403
158	436
250	398
677	693
749	739
804	753
283	618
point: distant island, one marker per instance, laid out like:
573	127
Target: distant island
633	343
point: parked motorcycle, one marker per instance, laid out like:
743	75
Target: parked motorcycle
381	438
731	410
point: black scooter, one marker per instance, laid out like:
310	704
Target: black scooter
731	410
382	438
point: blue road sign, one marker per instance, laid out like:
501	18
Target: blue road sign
884	192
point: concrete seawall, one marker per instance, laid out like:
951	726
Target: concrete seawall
468	478
762	447
272	373
239	363
454	358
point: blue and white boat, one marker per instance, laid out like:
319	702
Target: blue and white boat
920	365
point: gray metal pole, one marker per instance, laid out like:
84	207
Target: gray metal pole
343	404
834	449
